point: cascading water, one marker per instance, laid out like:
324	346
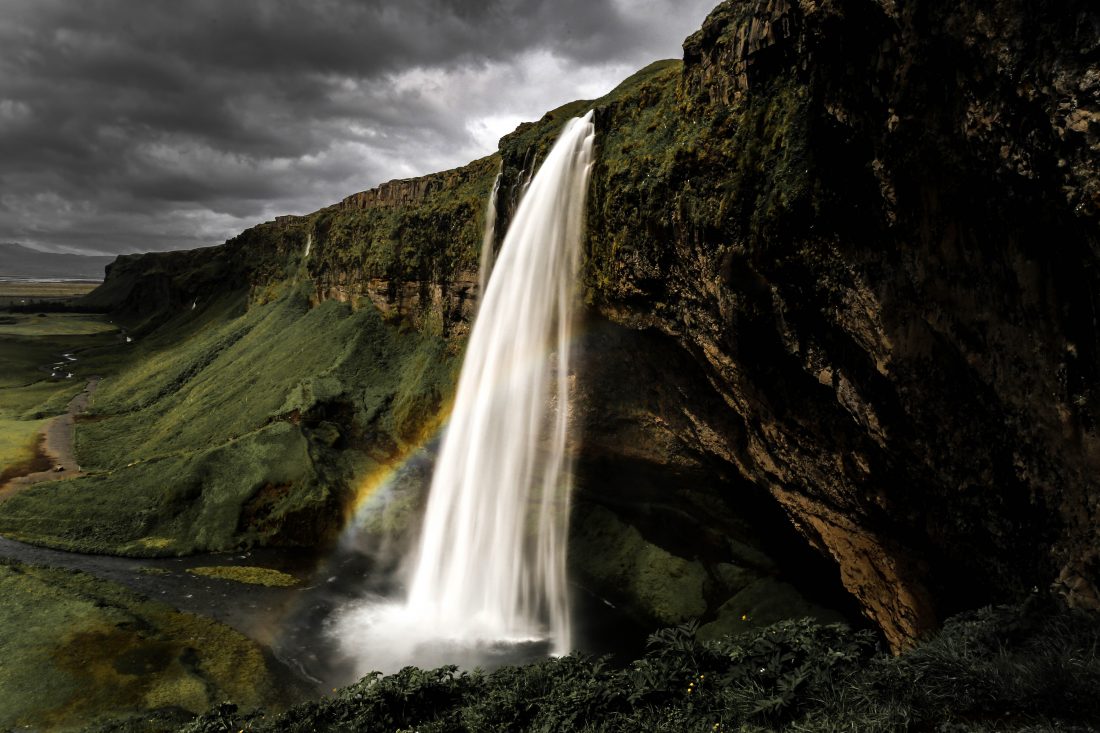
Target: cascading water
490	568
488	240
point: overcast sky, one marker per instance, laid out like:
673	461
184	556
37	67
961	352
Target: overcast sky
164	124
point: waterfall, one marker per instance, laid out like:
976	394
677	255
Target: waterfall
490	568
489	239
478	570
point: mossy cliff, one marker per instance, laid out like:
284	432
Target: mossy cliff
873	227
842	261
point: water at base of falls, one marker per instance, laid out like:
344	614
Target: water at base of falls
488	585
387	635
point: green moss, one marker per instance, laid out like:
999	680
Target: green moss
426	240
39	399
28	348
671	164
77	649
614	556
247	574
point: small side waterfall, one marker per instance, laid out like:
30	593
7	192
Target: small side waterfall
490	568
488	240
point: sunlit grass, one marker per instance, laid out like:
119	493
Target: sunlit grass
18	439
54	324
247	574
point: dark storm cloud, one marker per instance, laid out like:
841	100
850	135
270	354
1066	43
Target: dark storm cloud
162	124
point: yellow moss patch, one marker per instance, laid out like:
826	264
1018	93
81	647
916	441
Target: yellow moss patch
155	543
247	574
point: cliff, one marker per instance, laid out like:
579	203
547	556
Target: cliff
874	227
843	263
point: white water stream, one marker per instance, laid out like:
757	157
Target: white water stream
490	568
488	241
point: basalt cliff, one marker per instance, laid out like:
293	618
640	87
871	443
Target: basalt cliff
840	275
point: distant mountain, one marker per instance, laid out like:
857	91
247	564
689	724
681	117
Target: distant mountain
19	261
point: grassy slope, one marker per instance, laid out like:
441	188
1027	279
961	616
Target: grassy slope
76	649
218	429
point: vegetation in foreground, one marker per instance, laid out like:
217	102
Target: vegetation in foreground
75	649
1034	668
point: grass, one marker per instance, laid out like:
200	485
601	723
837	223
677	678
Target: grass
54	324
18	446
45	398
228	425
247	574
77	650
29	345
23	362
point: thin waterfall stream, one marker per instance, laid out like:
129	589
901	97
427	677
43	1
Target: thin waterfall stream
488	241
489	571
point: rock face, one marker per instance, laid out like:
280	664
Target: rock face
875	229
868	231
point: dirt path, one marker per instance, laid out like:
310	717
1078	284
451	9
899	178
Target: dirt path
58	445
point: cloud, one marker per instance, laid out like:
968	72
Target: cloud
158	125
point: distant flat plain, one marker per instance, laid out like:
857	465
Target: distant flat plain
16	292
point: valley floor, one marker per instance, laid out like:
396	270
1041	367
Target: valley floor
30	292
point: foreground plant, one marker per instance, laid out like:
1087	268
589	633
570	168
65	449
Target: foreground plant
1032	668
